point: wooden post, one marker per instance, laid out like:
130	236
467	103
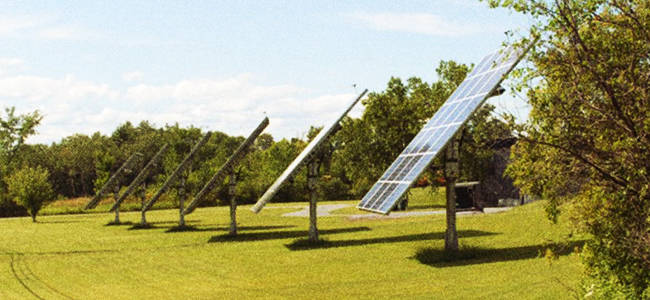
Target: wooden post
232	190
143	199
116	194
181	201
312	180
451	174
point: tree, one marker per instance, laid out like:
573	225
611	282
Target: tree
14	130
587	139
30	188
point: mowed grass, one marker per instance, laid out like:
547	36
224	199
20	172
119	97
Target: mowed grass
79	257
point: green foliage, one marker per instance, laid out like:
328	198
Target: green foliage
333	188
29	187
14	130
588	136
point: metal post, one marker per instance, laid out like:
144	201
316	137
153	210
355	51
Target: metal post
232	190
181	201
312	180
116	194
143	197
451	174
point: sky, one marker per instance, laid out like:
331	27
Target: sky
90	66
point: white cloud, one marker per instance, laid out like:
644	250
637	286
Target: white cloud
11	61
232	105
38	27
34	88
132	76
236	93
422	23
148	93
12	25
67	32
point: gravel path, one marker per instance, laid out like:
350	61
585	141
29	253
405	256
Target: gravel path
321	211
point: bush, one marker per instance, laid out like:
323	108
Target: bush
333	188
30	188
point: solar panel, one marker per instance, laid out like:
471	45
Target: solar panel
303	158
239	154
95	200
141	177
435	135
178	171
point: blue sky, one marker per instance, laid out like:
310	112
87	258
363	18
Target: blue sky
89	66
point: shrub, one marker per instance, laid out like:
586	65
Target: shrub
30	188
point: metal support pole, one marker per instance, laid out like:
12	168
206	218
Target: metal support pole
143	197
181	201
116	194
312	180
451	174
232	190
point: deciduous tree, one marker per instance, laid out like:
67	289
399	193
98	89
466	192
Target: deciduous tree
587	140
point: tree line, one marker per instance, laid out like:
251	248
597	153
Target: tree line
351	160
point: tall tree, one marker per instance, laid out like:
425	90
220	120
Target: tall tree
588	136
14	130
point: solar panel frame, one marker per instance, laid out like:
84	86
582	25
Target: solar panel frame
111	181
232	162
303	157
440	129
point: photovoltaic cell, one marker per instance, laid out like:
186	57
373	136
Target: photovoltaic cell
303	158
435	135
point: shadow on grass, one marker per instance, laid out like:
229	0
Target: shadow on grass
441	258
152	225
300	245
427	206
239	228
113	223
141	226
56	222
278	235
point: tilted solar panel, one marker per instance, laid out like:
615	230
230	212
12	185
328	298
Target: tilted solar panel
435	135
303	157
232	162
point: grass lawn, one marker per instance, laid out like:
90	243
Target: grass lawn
79	257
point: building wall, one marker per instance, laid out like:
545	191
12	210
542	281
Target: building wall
497	186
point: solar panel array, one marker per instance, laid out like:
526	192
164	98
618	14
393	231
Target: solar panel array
304	156
234	159
95	200
140	178
435	135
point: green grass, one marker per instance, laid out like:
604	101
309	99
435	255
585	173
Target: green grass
80	257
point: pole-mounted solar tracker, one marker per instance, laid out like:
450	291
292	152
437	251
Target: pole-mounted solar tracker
177	172
234	159
111	181
140	178
479	85
303	158
311	157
